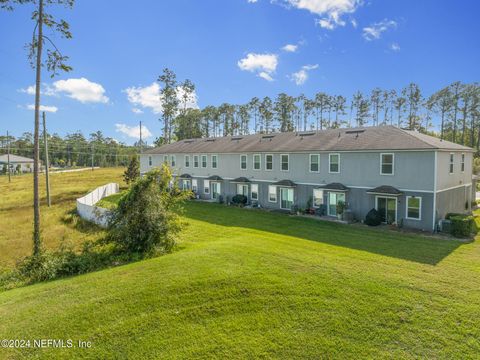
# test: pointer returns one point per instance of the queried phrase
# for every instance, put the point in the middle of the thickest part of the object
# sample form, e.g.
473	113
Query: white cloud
252	1
290	48
45	89
262	64
137	111
301	76
354	23
52	109
82	90
149	97
395	47
375	30
331	11
133	131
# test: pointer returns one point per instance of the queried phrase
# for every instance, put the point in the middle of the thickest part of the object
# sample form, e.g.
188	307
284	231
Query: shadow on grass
409	247
73	220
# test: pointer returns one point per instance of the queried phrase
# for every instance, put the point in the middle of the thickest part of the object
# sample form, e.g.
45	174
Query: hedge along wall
86	205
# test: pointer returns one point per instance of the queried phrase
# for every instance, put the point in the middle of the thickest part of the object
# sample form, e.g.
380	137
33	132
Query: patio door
286	198
333	200
215	190
387	207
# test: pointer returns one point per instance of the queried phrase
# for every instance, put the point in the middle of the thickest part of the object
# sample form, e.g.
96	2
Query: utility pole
47	164
92	153
8	158
141	143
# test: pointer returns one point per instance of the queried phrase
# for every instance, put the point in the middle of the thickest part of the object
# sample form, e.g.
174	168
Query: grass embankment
249	284
110	202
16	212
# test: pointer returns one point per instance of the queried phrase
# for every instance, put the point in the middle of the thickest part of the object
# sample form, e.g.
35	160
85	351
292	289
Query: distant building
26	164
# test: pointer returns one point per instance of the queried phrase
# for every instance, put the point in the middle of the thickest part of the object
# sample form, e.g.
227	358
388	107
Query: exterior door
387	207
286	198
215	190
333	200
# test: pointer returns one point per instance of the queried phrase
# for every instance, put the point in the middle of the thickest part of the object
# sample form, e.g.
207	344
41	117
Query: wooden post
47	164
8	158
92	154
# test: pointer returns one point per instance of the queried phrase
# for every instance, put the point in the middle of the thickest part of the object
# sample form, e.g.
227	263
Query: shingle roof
349	139
185	176
241	179
335	186
287	183
215	178
15	159
385	189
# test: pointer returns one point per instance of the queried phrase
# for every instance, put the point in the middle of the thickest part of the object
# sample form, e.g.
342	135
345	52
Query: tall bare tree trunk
36	149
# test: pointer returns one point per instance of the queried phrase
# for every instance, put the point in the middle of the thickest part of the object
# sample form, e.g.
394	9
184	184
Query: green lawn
249	284
110	202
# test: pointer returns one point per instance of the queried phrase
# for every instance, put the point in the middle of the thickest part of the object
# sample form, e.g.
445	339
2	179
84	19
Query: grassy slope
251	284
16	212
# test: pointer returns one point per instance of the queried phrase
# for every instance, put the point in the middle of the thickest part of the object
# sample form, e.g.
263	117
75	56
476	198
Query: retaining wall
86	205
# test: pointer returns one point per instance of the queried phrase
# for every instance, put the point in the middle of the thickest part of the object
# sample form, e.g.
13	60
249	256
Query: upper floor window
187	160
284	162
214	161
256	162
243	162
314	162
334	163
414	207
204	161
173	160
149	161
195	161
269	162
386	164
462	164
451	163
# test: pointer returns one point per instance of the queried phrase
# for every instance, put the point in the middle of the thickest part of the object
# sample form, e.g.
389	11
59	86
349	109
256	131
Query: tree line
73	149
456	108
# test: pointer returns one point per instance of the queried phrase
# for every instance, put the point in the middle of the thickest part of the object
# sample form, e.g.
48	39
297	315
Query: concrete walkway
73	170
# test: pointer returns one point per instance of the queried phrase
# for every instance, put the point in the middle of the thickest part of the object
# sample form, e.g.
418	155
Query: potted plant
341	206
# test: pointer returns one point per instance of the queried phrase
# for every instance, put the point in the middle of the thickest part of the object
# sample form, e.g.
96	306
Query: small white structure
26	164
86	205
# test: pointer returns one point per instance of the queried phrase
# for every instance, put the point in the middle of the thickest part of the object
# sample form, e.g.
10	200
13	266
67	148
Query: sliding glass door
286	198
333	200
387	207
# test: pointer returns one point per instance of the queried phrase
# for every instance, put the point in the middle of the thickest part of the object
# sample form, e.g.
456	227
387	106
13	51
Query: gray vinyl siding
457	200
445	180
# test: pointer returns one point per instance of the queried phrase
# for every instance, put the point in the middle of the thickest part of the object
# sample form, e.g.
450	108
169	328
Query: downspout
434	217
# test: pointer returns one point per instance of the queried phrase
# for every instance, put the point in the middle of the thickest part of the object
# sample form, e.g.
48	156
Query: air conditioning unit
445	225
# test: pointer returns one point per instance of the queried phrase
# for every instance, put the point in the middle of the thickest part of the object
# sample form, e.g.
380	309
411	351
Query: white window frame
275	193
266	162
150	161
330	163
462	163
242	186
216	161
194	185
310	163
198	161
259	162
288	162
202	162
381	164
451	163
173	160
246	161
419	208
313	198
186	181
186	160
254	186
206	186
388	197
293	197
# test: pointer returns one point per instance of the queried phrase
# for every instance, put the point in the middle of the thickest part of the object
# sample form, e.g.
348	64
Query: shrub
146	218
373	218
133	170
462	225
448	216
239	200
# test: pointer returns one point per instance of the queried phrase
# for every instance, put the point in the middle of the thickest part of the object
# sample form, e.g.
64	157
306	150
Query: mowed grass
16	211
251	284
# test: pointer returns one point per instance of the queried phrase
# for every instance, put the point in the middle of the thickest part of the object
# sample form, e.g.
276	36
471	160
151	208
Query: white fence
86	205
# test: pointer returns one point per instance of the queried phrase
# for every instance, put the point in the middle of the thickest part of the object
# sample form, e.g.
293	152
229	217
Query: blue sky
340	46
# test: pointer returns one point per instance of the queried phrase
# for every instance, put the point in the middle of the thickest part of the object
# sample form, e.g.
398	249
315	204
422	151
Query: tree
283	108
188	124
147	217
413	98
321	105
169	101
133	170
266	115
243	118
362	106
339	108
399	106
440	103
376	102
54	62
254	105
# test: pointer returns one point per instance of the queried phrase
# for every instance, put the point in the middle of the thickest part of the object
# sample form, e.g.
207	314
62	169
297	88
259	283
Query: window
386	164
187	160
254	190
256	162
194	185
165	159
272	193
186	184
269	162
286	198
317	198
334	163
204	161
242	189
214	161
195	161
451	163
314	162
149	161
243	162
206	186
284	162
173	160
215	190
414	207
462	164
